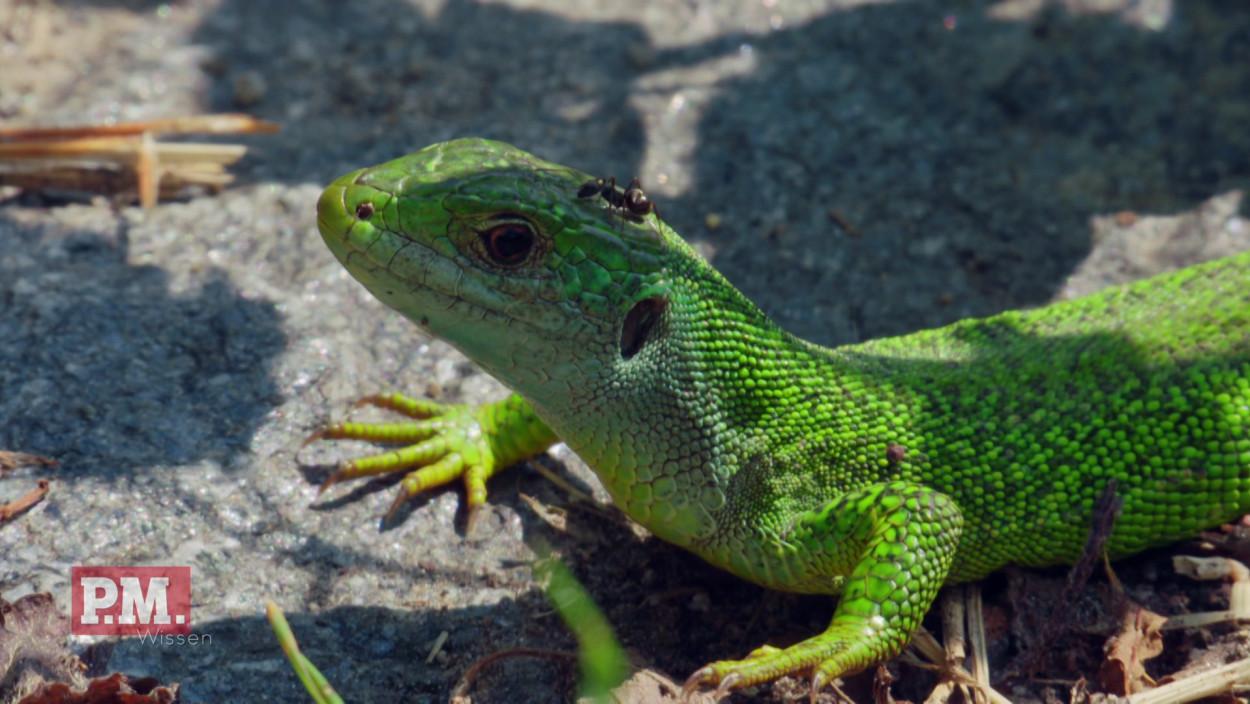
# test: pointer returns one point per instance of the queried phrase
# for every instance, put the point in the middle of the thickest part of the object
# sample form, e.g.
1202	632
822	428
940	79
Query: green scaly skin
877	472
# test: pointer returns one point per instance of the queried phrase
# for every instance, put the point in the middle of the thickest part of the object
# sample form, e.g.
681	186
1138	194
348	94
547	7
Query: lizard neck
705	394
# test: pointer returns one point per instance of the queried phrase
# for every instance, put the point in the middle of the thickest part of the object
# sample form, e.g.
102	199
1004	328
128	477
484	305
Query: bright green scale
877	472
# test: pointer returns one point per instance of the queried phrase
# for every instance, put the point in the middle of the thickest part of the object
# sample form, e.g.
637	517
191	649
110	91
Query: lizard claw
707	675
331	480
819	680
401	497
727	684
319	435
698	679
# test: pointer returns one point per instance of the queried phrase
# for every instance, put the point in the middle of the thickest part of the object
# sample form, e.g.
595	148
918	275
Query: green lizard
876	472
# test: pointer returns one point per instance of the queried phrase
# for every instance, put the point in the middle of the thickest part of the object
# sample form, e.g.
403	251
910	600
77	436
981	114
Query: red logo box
131	601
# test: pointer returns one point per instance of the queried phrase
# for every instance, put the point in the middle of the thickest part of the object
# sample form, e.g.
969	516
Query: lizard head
575	295
515	261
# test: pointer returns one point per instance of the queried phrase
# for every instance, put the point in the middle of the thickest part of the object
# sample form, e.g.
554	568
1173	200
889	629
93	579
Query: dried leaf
1137	640
114	689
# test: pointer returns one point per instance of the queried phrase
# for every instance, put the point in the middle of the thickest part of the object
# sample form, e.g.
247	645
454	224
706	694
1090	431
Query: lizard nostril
364	211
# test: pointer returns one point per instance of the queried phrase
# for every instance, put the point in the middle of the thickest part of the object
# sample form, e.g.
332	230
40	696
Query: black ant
632	199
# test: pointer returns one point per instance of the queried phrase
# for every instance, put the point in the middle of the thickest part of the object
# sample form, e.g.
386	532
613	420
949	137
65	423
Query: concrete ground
858	168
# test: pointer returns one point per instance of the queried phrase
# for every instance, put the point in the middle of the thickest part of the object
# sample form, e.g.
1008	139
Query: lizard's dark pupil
509	244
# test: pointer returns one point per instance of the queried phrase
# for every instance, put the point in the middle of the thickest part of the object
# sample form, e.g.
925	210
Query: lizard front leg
446	442
890	545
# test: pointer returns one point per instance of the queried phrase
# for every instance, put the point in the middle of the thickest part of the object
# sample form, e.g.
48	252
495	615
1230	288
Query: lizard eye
509	244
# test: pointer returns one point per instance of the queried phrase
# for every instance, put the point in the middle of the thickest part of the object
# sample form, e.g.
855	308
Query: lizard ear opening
639	322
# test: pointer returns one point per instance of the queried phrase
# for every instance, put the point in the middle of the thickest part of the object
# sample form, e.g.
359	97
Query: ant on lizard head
631	199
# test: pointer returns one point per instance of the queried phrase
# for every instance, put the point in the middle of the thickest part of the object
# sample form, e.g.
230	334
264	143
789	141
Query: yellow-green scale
1022	419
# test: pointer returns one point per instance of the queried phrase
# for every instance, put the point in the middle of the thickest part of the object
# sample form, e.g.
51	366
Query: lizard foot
821	657
443	442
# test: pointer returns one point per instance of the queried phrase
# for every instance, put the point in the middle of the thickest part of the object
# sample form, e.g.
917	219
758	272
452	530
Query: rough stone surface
858	168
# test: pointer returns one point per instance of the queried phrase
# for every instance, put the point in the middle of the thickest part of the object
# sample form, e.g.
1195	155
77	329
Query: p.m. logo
131	601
